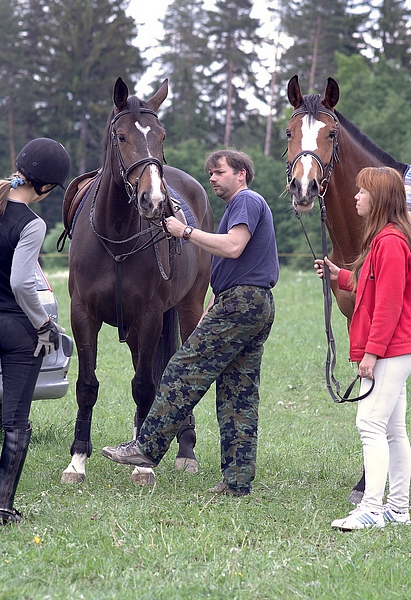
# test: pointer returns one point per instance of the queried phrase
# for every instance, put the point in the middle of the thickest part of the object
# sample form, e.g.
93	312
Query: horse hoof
189	465
73	478
142	476
355	497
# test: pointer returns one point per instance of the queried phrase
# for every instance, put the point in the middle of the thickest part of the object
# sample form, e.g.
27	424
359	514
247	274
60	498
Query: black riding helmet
44	161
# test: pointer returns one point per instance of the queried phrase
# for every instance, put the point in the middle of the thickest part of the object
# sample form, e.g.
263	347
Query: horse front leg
86	392
143	387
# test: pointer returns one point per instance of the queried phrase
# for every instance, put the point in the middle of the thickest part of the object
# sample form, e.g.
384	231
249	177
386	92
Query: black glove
48	338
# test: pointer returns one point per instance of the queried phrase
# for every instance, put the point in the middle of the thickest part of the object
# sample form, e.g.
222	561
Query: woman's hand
366	366
319	266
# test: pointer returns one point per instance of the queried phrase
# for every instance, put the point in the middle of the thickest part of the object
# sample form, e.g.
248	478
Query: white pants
386	447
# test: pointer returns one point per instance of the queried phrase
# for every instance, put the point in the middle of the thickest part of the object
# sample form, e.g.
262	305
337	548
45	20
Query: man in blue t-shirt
227	345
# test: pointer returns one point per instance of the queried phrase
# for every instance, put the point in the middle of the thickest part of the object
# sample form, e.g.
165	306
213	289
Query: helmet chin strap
38	186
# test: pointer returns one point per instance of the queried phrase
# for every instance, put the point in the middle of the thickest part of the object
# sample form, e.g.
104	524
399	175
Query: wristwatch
187	232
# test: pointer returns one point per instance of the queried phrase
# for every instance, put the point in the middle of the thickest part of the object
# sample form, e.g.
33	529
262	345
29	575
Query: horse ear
161	94
294	92
331	94
120	94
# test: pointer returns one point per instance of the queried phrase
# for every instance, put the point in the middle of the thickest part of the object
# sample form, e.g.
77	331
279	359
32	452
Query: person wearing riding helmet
26	331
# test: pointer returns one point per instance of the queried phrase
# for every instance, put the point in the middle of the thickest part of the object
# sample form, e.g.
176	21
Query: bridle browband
331	357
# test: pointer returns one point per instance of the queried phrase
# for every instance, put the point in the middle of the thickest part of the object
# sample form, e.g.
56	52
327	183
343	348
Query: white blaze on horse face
156	194
310	129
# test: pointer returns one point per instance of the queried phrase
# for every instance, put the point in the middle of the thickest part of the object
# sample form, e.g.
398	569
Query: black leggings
20	369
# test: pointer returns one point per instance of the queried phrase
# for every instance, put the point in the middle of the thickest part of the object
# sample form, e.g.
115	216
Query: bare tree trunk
315	54
10	126
227	132
267	143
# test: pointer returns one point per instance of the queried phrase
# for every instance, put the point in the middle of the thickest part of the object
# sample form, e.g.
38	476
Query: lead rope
331	357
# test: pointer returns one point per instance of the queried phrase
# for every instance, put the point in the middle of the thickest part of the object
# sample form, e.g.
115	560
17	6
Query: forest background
59	61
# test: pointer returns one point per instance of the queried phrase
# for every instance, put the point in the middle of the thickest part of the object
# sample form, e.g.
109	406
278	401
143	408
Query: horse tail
168	344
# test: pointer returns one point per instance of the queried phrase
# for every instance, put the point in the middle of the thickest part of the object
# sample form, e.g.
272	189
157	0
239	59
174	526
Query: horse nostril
295	187
313	188
145	200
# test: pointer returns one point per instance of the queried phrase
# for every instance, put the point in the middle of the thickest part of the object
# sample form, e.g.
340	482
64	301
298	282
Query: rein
331	357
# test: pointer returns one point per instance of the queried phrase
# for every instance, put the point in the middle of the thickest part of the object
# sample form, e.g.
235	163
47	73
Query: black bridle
144	162
326	172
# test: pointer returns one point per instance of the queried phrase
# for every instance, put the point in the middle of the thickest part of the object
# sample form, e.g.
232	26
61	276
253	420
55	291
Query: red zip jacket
381	322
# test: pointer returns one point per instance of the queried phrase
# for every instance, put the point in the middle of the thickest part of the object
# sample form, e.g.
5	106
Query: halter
331	357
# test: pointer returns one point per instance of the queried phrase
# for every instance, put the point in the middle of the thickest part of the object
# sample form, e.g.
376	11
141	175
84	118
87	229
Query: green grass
109	539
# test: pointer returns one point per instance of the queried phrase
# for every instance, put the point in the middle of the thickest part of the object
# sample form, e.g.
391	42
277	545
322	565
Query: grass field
108	539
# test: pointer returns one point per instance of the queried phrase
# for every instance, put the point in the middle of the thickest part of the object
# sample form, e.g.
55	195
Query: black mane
311	104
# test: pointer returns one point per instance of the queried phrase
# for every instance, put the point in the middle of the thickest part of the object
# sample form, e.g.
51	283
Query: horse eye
288	134
332	135
121	137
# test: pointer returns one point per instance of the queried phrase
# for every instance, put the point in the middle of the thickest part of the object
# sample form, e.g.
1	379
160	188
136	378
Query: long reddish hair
388	204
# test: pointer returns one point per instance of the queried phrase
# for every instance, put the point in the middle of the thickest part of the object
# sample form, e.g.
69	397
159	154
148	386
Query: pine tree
319	29
87	44
392	29
233	40
12	88
184	62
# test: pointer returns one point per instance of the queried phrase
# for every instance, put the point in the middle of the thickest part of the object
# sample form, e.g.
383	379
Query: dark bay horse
325	153
125	270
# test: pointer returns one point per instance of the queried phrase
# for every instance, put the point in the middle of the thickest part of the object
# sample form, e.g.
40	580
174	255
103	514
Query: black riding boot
13	455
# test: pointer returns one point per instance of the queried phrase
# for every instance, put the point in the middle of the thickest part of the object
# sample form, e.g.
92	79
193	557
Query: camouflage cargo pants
227	348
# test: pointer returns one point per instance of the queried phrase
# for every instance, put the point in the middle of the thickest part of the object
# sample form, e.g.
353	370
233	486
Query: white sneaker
392	516
359	518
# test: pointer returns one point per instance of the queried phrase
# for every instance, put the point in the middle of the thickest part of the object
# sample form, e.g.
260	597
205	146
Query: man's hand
48	337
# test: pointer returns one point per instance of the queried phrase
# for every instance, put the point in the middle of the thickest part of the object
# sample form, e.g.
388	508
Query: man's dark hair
235	159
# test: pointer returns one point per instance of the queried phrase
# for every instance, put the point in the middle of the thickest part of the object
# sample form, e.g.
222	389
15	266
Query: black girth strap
122	330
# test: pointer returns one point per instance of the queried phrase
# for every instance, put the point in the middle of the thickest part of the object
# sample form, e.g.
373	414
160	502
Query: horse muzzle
150	205
303	198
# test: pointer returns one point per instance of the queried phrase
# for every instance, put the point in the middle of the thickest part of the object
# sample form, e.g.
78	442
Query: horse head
312	134
136	138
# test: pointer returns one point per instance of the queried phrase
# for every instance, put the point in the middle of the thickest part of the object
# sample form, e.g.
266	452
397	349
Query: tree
233	40
392	32
319	29
12	98
375	97
184	62
87	43
59	62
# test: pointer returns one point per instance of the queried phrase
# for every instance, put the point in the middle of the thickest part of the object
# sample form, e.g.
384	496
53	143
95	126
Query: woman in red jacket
380	342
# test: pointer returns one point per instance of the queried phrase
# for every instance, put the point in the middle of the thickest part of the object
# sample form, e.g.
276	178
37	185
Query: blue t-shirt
258	264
